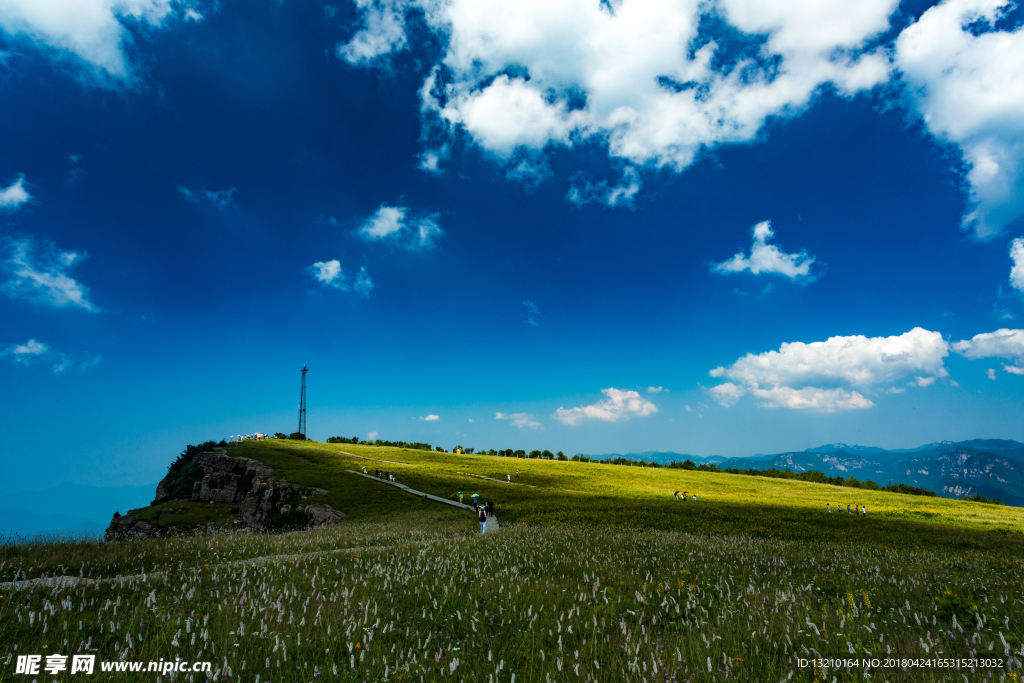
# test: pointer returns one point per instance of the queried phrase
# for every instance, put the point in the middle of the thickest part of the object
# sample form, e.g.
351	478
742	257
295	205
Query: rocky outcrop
263	500
127	526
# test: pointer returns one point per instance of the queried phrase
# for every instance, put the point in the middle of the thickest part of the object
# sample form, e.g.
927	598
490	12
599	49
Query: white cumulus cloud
967	82
617	405
383	32
991	373
768	258
1017	271
430	418
28	349
805	376
640	77
1004	343
39	272
331	274
397	223
15	194
521	420
91	30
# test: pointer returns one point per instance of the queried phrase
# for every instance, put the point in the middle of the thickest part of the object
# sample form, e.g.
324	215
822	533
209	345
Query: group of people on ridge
254	436
683	497
839	508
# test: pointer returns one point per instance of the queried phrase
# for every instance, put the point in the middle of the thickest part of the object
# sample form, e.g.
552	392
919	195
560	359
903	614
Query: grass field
553	492
598	574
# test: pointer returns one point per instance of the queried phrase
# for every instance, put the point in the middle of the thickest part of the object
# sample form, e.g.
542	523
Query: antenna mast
302	403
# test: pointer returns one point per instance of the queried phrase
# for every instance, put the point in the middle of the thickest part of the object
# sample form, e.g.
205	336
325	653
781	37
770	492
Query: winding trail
390	462
492	520
500	481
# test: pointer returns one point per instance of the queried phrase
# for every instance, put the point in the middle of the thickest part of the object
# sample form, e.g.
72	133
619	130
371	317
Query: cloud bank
646	79
659	82
39	272
967	82
616	406
768	258
829	376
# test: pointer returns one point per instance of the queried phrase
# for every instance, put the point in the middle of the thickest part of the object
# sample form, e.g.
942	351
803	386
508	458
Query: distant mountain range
993	468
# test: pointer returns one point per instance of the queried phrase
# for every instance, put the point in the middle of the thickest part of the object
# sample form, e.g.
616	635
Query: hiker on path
828	507
676	495
684	496
863	511
474	497
481	515
490	508
459	494
509	478
848	507
695	498
517	474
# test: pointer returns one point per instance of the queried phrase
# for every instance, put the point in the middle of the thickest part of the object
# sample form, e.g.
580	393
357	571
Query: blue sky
714	228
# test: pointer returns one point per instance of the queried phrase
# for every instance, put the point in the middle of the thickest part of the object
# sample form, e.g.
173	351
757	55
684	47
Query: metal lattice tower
302	403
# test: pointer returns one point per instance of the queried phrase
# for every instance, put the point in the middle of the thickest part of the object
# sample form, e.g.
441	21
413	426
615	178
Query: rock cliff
262	500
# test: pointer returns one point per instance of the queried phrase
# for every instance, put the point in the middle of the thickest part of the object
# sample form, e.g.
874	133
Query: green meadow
554	492
597	574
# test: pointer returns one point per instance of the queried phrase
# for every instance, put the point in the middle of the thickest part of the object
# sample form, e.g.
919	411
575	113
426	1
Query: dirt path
492	520
390	462
500	481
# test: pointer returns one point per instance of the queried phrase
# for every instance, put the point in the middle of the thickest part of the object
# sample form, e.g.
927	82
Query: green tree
561	456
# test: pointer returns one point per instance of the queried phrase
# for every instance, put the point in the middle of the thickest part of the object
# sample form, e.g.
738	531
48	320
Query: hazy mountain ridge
993	468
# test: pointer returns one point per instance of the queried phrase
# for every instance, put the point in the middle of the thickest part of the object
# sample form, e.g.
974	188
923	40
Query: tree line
812	476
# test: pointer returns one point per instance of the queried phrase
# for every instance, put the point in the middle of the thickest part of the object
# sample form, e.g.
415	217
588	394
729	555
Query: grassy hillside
553	492
597	575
